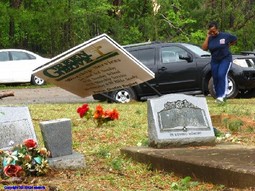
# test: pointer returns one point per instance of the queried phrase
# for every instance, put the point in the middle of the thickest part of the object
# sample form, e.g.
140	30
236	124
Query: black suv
183	68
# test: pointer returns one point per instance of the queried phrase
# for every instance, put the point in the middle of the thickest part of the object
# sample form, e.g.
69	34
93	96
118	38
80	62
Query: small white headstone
177	120
15	126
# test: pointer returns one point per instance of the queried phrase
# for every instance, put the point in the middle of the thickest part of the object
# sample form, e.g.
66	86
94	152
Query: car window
16	55
146	56
4	56
171	54
197	50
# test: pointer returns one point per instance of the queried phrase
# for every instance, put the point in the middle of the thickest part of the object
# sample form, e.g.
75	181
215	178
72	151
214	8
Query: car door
177	70
23	65
148	57
18	68
5	72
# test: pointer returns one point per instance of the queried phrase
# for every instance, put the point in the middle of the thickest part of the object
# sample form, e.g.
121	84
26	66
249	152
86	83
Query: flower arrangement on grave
99	116
24	160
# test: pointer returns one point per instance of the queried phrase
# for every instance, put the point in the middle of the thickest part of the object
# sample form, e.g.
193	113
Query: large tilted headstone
57	137
178	120
15	126
96	66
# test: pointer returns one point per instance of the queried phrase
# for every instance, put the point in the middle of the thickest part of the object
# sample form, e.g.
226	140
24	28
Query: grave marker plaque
15	126
177	120
96	66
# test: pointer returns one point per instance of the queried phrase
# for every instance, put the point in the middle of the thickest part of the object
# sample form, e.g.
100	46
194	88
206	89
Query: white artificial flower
11	143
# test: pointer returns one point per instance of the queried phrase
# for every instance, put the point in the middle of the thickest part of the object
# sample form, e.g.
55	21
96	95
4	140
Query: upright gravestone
57	137
178	120
15	126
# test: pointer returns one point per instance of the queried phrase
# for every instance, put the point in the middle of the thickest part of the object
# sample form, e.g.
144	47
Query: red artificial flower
13	170
114	114
99	109
30	143
99	116
83	110
99	112
96	115
107	114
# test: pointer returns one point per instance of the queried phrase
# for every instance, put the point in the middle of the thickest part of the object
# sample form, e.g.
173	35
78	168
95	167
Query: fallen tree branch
6	94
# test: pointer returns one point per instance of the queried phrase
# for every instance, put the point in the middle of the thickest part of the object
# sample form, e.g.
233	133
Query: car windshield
197	50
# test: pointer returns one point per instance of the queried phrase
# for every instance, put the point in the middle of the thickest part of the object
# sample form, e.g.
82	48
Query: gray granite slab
179	120
15	126
57	136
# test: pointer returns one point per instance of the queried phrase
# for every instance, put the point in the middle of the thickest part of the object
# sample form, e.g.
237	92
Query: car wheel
124	95
232	88
37	81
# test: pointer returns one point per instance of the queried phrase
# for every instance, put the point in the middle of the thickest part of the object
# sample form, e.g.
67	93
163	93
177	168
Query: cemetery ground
107	169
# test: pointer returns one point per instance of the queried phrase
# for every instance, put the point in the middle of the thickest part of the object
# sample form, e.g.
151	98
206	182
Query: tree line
50	27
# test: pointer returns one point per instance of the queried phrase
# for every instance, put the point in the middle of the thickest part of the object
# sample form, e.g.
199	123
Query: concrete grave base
228	164
73	161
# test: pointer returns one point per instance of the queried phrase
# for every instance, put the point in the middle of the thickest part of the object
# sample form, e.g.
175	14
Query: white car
17	65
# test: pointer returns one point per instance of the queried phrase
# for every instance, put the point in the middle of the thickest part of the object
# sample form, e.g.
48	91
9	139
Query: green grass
239	107
23	86
106	168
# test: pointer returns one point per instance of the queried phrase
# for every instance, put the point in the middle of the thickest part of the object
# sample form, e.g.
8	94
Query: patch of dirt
236	129
41	95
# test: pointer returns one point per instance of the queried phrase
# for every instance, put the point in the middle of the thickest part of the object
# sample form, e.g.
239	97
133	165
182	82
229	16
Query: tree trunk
15	4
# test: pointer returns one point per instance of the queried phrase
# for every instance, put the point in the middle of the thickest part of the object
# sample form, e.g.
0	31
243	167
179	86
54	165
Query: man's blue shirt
219	46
